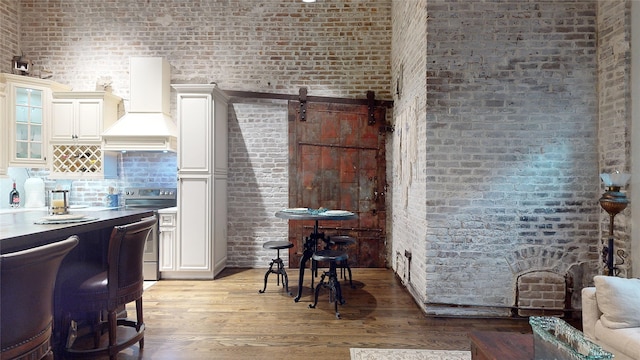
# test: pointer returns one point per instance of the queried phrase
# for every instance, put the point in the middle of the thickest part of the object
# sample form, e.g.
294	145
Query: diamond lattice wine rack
77	159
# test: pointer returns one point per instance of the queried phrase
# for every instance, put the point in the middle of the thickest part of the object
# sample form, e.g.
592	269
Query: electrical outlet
407	254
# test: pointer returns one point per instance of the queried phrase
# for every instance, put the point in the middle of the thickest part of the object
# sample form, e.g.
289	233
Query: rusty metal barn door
337	161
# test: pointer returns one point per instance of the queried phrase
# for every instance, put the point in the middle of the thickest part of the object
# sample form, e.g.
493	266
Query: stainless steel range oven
150	199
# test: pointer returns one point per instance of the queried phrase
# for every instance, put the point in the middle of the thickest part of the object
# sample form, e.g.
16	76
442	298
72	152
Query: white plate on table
336	212
297	210
64	217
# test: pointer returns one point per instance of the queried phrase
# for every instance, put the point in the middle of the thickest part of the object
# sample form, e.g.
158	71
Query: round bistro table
311	242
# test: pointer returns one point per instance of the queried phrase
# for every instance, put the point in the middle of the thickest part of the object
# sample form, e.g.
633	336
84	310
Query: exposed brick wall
335	48
406	145
511	146
258	181
541	290
9	33
614	118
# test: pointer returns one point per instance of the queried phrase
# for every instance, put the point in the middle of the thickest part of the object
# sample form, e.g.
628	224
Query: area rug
408	354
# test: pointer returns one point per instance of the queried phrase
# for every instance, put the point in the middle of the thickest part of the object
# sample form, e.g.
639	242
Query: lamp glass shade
616	179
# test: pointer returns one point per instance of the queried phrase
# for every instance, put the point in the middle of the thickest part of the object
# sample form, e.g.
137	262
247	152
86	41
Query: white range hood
147	126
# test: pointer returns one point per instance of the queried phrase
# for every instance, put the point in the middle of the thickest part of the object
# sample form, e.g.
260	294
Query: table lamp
613	201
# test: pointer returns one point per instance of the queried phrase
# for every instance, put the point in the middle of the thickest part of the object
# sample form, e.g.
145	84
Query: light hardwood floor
228	319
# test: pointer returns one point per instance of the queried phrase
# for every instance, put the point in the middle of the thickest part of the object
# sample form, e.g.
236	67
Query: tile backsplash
135	169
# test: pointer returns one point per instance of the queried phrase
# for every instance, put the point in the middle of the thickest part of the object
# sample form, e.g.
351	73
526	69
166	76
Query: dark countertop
18	231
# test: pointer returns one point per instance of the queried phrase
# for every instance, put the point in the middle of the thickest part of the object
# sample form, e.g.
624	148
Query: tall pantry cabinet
201	241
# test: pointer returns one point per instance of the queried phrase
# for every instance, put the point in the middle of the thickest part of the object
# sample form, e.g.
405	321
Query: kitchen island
23	229
19	231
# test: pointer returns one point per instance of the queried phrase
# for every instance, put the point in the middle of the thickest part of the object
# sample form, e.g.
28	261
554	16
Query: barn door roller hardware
371	104
387	128
303	103
304	99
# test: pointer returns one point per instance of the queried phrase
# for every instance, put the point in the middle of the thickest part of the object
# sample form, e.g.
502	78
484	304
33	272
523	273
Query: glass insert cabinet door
29	134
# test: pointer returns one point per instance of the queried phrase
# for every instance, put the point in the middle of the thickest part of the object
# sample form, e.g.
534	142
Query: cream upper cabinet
195	128
202	143
27	118
82	116
201	233
77	121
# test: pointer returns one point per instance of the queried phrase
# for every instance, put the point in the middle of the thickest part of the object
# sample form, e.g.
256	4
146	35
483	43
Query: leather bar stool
107	292
329	279
280	270
341	242
27	280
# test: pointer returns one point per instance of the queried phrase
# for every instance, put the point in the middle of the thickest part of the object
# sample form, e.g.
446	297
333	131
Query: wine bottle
14	197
